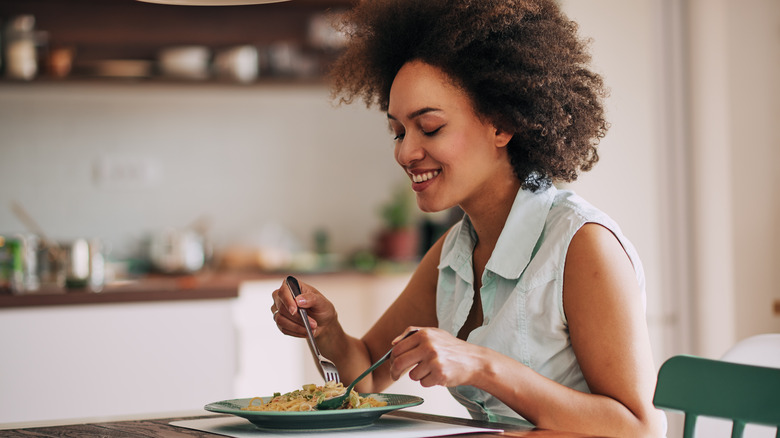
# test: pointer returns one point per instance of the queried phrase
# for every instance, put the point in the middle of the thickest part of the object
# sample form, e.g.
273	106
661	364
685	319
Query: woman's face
451	156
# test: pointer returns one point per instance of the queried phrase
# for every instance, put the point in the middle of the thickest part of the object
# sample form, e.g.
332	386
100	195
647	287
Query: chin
431	207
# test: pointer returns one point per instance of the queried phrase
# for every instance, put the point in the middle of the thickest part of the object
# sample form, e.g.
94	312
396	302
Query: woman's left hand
436	358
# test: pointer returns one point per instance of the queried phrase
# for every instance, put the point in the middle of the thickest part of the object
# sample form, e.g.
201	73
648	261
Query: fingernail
401	337
300	300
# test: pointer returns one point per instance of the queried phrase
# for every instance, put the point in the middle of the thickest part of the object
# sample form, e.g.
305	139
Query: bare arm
415	306
609	337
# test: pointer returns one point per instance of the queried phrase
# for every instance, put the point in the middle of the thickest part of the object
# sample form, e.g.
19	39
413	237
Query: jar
18	263
11	270
21	58
83	264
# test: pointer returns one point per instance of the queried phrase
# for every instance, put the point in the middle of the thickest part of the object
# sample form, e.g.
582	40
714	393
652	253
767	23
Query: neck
488	213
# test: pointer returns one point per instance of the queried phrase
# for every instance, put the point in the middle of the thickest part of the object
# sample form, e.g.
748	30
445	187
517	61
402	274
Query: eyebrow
415	114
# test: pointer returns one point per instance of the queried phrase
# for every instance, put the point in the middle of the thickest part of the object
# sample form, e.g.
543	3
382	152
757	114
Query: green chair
713	388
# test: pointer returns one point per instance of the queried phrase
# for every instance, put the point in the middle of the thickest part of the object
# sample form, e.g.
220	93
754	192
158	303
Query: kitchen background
688	168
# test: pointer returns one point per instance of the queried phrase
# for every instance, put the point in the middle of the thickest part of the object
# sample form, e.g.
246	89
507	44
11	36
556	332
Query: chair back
699	386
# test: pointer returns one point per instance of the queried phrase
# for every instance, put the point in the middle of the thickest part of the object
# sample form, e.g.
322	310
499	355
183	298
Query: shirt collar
515	245
521	232
459	257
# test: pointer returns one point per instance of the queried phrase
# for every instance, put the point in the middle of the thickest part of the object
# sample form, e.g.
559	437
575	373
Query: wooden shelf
129	29
157	81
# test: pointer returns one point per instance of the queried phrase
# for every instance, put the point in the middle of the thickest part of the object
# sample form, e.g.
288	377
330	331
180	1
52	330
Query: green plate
314	420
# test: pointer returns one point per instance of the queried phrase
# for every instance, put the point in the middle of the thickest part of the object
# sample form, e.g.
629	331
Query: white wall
734	63
688	166
624	182
754	94
243	156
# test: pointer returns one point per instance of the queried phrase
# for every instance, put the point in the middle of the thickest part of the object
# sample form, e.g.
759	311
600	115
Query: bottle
2	47
21	58
12	264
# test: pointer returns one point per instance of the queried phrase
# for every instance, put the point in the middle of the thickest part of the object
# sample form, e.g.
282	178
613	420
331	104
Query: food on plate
306	399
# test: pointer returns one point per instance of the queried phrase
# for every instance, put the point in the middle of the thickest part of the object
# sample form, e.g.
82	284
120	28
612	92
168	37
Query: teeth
424	176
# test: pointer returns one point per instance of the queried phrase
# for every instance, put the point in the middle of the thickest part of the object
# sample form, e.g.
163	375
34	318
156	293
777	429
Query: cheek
455	148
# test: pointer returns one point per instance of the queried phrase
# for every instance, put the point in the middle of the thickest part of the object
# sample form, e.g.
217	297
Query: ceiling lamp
211	2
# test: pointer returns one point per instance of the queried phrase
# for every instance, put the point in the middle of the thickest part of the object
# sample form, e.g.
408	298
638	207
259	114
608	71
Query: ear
502	138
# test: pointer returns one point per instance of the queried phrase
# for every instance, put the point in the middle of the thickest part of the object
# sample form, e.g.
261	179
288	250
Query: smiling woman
542	90
531	308
431	118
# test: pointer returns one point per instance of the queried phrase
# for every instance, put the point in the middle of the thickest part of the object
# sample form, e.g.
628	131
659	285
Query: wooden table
162	428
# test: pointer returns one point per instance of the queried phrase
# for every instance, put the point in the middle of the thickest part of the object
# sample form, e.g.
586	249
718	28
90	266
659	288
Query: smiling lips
422	177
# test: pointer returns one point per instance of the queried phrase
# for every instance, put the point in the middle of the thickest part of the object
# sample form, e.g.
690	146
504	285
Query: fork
326	366
339	401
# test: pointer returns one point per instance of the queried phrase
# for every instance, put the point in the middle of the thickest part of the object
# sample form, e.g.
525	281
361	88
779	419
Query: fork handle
295	288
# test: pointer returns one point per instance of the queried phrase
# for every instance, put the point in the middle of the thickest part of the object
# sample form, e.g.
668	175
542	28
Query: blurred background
144	128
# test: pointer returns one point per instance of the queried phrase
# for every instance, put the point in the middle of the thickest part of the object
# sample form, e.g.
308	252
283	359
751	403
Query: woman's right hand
321	312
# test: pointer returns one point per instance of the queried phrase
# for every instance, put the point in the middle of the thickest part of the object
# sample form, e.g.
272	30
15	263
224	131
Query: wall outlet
126	172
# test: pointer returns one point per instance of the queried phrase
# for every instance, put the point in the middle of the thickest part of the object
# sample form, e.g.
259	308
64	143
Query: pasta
306	399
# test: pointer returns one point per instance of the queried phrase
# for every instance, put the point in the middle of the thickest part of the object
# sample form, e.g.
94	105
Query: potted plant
398	240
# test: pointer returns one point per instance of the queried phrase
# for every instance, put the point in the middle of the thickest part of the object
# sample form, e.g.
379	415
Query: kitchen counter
203	286
151	288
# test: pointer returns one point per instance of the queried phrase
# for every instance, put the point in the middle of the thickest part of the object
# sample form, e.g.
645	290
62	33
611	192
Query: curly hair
520	62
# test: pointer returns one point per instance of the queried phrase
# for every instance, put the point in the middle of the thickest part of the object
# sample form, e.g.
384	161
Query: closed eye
432	133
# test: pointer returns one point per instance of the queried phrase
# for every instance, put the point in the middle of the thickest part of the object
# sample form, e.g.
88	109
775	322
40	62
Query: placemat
395	427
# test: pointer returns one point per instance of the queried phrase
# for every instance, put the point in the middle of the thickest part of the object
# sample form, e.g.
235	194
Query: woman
532	306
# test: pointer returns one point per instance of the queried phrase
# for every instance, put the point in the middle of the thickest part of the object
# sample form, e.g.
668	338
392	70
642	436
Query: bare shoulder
604	309
594	243
597	273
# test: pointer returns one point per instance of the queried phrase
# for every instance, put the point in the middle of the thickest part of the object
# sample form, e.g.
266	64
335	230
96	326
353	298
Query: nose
408	151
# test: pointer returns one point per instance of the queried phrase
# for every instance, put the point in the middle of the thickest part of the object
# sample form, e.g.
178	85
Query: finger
287	300
298	318
419	372
401	362
293	322
277	306
431	380
293	332
407	332
289	325
430	372
396	371
416	338
280	303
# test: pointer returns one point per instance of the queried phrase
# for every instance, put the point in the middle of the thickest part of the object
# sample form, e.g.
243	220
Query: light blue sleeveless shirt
522	291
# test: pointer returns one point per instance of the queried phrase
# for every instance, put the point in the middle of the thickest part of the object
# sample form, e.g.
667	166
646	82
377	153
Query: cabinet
100	30
105	360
